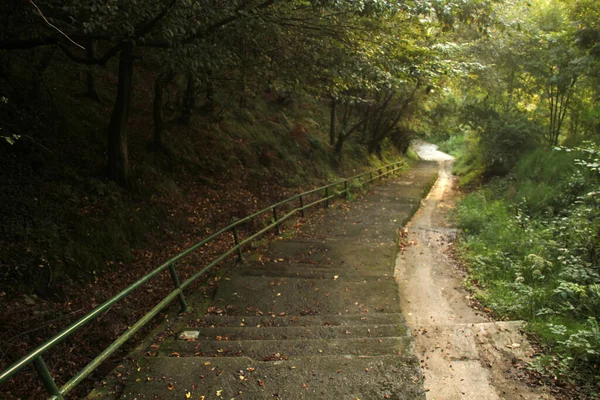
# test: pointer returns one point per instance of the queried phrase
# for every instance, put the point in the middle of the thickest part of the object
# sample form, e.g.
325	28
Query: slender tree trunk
189	100
38	73
244	72
91	89
511	82
339	145
118	163
332	123
367	127
244	90
574	118
157	110
210	94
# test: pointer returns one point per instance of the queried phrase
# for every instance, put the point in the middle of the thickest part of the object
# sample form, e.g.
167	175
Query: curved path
463	355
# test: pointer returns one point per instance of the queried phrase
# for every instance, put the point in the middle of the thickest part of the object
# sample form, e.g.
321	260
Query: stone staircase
318	317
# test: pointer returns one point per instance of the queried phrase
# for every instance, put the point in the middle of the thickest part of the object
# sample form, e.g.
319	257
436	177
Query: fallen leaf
170	386
188	395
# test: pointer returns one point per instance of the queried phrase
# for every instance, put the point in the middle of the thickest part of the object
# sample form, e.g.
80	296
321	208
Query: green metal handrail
35	356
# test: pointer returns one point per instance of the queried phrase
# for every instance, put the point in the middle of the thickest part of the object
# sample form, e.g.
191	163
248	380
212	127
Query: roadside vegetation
525	130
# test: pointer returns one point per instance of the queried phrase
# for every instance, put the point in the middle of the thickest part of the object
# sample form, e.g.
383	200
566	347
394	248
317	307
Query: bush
495	142
532	243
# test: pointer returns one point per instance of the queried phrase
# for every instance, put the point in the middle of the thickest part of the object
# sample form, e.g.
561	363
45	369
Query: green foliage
453	145
532	242
502	137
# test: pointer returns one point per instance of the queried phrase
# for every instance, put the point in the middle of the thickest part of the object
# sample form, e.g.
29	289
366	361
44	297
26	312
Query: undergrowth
61	219
532	244
451	144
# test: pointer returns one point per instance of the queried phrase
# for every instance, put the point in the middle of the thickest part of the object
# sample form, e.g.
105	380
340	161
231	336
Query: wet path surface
462	354
316	316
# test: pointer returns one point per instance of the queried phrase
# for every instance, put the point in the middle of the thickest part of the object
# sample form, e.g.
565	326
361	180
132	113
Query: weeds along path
463	355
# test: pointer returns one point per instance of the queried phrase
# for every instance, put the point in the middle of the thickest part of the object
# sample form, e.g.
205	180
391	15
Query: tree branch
141	31
28	43
232	18
54	26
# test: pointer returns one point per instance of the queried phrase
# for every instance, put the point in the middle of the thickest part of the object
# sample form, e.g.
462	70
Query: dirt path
463	354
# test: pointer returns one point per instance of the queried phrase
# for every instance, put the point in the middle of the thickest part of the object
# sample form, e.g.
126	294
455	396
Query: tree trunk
189	101
209	107
157	110
244	72
243	90
91	89
118	163
332	123
339	145
38	73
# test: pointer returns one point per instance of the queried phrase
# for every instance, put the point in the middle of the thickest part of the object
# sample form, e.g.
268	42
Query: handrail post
236	239
346	190
175	278
46	377
327	197
277	231
301	206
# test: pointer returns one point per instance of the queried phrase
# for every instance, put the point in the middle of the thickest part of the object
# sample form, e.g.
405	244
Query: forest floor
464	354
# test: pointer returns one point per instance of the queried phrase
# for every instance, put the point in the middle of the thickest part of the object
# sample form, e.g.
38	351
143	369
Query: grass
454	144
531	244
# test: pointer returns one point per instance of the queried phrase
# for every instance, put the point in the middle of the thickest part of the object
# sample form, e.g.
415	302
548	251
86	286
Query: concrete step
322	377
260	332
267	349
252	295
311	271
348	253
345	320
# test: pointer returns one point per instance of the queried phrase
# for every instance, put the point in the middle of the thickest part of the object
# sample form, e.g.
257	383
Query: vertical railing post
236	239
177	284
277	231
301	206
46	377
346	190
327	197
370	176
380	176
